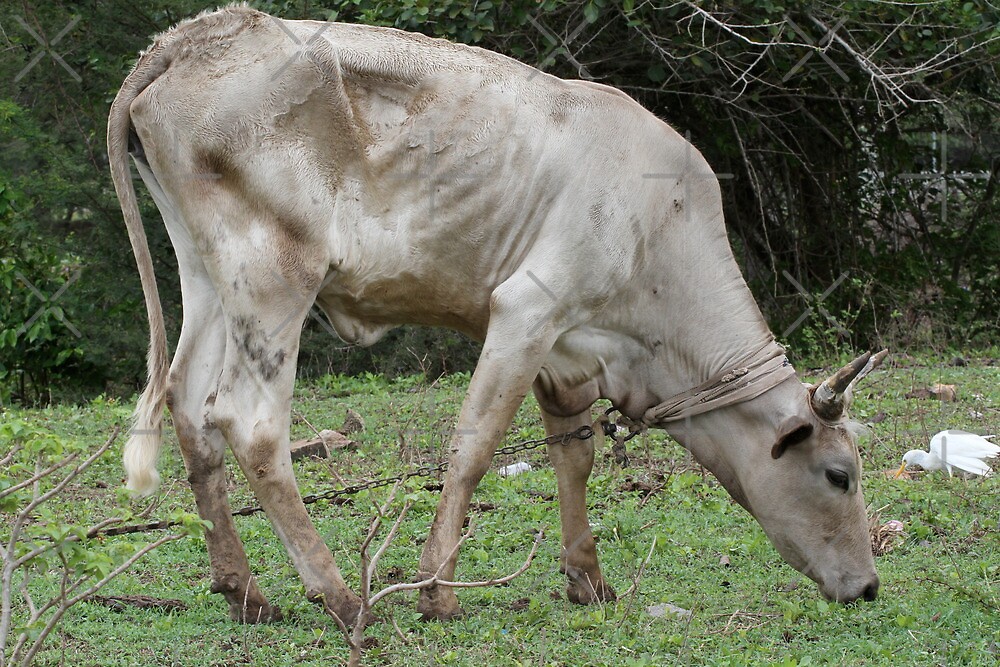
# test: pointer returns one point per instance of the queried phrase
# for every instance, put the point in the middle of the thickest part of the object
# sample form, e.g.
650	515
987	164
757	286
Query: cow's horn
828	399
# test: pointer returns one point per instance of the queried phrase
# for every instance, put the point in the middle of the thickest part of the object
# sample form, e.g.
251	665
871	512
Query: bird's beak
900	471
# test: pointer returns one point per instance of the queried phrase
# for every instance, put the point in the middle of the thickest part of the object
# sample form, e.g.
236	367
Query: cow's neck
706	333
722	327
714	325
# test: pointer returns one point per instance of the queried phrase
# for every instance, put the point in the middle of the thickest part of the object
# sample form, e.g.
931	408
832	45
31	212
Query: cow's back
424	173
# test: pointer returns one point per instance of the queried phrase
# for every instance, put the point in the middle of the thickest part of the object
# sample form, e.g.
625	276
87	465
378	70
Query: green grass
939	603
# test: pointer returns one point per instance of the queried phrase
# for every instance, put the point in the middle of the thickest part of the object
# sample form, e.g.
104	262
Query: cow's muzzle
864	590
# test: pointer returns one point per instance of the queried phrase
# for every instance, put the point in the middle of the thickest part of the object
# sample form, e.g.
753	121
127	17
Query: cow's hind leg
191	392
193	382
573	462
264	316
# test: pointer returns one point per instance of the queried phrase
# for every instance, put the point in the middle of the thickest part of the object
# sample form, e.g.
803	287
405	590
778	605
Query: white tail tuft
143	447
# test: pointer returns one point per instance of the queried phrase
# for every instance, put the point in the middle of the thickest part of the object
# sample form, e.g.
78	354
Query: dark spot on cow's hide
216	166
597	215
253	343
261	454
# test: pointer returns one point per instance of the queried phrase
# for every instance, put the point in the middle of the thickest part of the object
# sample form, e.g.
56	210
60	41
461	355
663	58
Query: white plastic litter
514	469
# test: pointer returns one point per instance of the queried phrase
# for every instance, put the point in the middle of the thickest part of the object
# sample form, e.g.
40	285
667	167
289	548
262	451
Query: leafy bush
38	342
834	167
42	539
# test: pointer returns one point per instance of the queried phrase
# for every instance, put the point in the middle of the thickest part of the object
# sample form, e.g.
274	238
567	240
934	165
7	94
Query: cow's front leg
507	366
573	462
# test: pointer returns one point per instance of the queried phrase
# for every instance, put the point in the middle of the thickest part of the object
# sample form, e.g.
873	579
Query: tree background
857	145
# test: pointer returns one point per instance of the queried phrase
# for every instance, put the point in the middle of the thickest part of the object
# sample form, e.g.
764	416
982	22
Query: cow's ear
793	431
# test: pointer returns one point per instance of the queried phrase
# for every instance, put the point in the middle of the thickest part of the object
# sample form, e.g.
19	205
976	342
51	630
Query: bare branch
72	474
437	581
388	538
731	30
10	456
634	588
40	475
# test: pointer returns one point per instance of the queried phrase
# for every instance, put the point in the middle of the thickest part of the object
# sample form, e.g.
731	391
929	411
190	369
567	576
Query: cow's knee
253	434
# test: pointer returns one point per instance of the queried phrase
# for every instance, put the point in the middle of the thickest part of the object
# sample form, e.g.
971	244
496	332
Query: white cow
392	178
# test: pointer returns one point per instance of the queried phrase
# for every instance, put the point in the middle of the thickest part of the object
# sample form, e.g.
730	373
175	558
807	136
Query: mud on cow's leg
573	463
230	569
191	393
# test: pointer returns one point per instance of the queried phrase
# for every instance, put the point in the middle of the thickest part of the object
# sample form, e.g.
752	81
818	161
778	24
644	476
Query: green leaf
656	73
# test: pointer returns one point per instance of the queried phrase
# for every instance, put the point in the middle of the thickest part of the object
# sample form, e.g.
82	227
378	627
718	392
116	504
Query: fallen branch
120	602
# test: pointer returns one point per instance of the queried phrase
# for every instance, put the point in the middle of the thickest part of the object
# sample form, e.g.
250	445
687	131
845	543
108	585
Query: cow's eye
838	478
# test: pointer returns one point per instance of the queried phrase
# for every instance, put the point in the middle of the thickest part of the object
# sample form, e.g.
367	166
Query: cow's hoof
348	611
581	591
254	612
345	605
438	604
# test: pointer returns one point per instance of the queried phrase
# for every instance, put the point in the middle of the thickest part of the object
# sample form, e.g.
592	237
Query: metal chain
582	433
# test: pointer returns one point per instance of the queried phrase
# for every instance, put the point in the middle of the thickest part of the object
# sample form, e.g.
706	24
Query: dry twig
355	635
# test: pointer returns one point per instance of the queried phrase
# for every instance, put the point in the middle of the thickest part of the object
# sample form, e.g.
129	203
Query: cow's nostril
870	592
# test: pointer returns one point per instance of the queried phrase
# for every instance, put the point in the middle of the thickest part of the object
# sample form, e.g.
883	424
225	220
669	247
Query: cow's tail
143	446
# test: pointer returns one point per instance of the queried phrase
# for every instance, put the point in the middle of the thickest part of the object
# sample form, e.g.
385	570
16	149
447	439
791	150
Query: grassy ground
939	604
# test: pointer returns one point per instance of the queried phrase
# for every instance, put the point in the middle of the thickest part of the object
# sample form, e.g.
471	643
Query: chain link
582	433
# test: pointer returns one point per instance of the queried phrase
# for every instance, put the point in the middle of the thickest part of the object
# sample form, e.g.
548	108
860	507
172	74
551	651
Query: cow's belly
363	313
396	259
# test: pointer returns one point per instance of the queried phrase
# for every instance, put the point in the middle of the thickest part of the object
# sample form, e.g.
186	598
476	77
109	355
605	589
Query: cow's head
789	457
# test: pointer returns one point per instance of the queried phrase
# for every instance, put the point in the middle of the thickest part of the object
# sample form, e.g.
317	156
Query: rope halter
746	379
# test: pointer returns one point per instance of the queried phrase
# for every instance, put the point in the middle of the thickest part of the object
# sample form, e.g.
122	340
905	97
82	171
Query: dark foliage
857	141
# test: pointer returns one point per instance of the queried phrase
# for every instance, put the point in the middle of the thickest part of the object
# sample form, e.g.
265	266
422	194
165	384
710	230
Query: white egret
954	449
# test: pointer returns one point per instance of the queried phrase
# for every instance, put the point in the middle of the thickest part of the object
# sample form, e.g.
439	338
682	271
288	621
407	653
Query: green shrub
42	537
